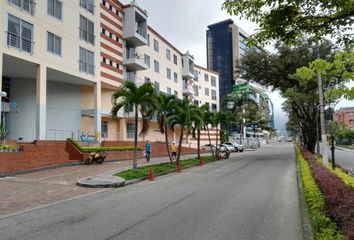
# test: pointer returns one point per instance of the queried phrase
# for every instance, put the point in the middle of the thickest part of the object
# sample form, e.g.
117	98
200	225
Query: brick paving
25	191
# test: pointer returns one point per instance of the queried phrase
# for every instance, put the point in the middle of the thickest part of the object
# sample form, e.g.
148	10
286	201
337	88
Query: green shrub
8	147
324	228
101	149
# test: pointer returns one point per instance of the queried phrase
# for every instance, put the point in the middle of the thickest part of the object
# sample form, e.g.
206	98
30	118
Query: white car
231	148
238	147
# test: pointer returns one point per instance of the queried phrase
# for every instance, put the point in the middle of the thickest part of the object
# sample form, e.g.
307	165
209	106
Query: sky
184	23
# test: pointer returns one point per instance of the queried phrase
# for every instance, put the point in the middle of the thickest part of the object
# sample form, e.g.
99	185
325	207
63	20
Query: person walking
147	150
173	151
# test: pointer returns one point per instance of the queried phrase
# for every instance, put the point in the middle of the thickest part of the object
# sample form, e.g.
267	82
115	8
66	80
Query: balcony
25	5
188	66
134	61
88	37
21	43
135	26
188	89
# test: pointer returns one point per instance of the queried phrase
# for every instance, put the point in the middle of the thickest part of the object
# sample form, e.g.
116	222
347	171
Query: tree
183	115
208	119
142	100
165	103
288	20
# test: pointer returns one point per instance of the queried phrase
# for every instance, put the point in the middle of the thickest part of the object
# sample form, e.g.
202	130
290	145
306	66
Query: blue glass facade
219	54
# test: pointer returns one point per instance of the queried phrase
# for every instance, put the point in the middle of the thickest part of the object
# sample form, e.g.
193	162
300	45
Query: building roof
164	40
229	21
205	69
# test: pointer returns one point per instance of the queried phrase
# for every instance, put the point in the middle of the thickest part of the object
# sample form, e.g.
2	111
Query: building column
1	89
41	102
97	110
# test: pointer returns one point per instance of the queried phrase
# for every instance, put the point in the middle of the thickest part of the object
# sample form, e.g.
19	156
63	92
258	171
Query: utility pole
322	117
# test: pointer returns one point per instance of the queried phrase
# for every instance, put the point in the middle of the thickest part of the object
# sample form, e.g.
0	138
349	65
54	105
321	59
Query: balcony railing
141	32
88	5
88	37
132	53
25	5
22	43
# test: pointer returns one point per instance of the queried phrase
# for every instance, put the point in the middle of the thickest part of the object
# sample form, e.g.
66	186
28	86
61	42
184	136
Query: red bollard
151	175
201	162
179	168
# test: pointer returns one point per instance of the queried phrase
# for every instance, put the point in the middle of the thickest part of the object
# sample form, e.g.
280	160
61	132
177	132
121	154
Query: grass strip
323	227
142	172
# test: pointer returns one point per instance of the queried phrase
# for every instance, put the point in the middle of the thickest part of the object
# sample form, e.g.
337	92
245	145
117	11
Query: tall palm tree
198	124
142	99
208	119
184	114
164	105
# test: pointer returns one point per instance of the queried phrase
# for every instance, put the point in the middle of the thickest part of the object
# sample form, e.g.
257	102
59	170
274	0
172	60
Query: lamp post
2	94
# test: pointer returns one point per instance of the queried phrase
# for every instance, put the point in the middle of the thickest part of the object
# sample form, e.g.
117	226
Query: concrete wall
63	109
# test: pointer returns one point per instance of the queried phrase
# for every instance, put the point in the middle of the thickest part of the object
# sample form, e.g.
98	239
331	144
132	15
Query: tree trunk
211	146
216	142
135	163
166	142
198	143
180	146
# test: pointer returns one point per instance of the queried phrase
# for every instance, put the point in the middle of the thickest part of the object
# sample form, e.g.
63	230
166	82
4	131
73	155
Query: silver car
238	147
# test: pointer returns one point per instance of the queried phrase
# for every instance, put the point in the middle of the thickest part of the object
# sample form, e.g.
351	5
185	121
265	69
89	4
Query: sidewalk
25	191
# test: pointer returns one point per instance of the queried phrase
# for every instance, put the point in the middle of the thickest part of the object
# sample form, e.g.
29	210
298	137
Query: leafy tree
165	103
288	20
183	115
142	99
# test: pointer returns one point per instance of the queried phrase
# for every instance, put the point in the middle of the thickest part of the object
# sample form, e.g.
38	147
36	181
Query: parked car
207	147
221	148
231	148
238	147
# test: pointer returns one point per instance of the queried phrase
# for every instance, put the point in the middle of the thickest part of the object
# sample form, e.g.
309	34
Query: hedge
324	228
8	147
101	149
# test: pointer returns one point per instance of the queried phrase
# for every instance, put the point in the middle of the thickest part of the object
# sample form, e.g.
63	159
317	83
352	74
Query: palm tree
208	119
142	99
197	126
163	108
184	114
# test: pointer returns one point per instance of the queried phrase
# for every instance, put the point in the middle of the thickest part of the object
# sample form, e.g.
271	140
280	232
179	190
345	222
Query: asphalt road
343	158
251	196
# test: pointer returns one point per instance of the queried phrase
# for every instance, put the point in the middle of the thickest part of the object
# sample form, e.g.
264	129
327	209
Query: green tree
183	115
288	20
164	106
142	100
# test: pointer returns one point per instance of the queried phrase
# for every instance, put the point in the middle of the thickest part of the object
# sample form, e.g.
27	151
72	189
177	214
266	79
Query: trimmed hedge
324	228
8	147
143	172
101	149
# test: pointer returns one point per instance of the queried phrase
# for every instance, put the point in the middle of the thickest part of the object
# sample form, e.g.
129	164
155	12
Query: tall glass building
226	44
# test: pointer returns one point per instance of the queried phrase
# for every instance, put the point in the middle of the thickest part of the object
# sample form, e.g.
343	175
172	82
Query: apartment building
345	116
61	61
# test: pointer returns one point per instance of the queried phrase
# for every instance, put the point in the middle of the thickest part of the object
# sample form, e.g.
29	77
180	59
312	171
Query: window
206	91
104	129
147	60
26	5
19	34
146	79
89	5
196	103
213	94
157	86
148	39
213	107
196	90
176	93
175	59
156	66
87	61
55	8
168	54
130	130
175	77
87	30
54	44
169	91
156	45
213	81
168	73
206	77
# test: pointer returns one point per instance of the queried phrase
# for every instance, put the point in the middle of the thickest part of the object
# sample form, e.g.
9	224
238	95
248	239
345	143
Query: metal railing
22	43
88	5
87	68
141	31
25	5
85	35
132	53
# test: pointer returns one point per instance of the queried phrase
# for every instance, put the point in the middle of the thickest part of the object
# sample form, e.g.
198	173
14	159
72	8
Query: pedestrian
174	151
147	150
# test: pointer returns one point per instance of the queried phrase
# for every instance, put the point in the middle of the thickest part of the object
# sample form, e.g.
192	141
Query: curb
307	232
344	149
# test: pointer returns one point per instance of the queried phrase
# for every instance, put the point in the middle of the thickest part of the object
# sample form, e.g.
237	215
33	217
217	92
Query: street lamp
2	94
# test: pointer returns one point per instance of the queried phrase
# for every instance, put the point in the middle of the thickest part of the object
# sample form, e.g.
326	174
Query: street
251	196
343	158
